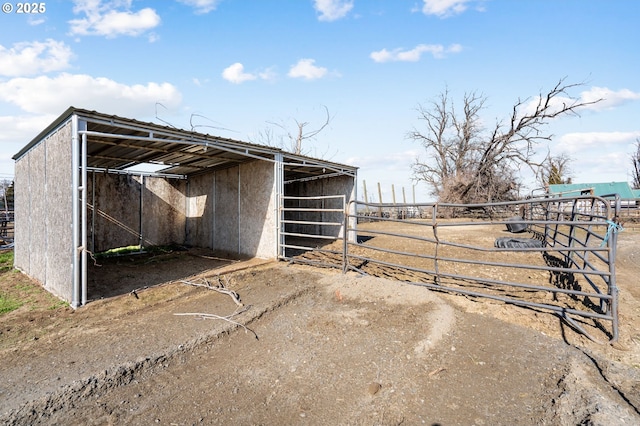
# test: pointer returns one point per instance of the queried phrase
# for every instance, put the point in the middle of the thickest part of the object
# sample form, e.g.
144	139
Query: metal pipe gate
561	260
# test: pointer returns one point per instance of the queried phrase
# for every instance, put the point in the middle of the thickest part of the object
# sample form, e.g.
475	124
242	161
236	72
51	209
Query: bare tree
451	141
467	164
555	169
293	140
635	158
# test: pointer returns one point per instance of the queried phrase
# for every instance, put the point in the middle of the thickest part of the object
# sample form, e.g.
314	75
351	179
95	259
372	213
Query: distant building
599	189
628	197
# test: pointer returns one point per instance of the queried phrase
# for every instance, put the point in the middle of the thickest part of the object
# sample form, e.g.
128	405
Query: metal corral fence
630	211
309	223
6	228
546	254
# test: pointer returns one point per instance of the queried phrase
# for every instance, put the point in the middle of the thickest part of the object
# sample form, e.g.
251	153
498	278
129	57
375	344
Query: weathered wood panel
257	210
163	211
22	230
226	211
117	211
200	210
38	212
60	195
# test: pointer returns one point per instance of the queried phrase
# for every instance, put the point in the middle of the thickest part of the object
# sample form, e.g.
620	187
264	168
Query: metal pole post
75	154
83	220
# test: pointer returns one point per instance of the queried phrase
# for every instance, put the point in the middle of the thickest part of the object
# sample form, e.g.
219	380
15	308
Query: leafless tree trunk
555	170
467	165
298	137
635	158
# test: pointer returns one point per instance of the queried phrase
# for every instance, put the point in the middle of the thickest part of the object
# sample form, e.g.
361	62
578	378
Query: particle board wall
257	209
38	212
200	210
238	219
44	194
21	252
163	210
60	196
226	213
117	211
128	207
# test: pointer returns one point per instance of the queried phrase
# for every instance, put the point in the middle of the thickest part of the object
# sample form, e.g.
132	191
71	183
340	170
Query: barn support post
93	209
79	211
75	166
143	184
239	217
352	210
279	202
83	222
213	209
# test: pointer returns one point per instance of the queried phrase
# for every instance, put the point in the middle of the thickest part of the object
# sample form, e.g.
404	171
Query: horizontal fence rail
310	223
551	254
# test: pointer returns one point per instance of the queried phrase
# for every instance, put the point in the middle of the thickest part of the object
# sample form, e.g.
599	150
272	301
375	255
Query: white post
75	267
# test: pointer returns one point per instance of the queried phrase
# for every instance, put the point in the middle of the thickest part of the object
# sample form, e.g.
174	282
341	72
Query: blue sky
235	67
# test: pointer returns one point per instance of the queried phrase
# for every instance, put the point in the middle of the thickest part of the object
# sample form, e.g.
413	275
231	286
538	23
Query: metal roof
116	143
599	189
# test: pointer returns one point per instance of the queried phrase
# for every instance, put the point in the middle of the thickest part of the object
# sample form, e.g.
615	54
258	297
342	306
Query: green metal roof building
599	189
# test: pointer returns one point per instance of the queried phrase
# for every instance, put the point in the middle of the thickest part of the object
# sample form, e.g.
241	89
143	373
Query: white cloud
267	74
306	69
398	55
444	8
14	128
332	10
112	18
202	6
610	98
607	99
29	58
17	131
235	74
599	156
33	21
43	95
578	142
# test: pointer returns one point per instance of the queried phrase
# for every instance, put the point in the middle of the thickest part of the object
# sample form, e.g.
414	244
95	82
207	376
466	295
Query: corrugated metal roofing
117	143
599	189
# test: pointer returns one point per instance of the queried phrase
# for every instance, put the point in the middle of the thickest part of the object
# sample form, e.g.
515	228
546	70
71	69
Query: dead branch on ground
220	287
224	318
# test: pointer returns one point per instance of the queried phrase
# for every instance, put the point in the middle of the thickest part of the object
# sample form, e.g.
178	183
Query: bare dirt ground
309	346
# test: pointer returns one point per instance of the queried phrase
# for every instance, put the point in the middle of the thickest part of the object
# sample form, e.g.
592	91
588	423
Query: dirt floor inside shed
308	346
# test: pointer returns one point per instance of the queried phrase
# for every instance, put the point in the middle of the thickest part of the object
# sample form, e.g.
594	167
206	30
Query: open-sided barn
75	194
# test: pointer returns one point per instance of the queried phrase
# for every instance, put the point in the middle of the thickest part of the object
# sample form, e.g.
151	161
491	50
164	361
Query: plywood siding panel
22	219
226	211
200	210
117	211
163	211
59	198
257	215
38	212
